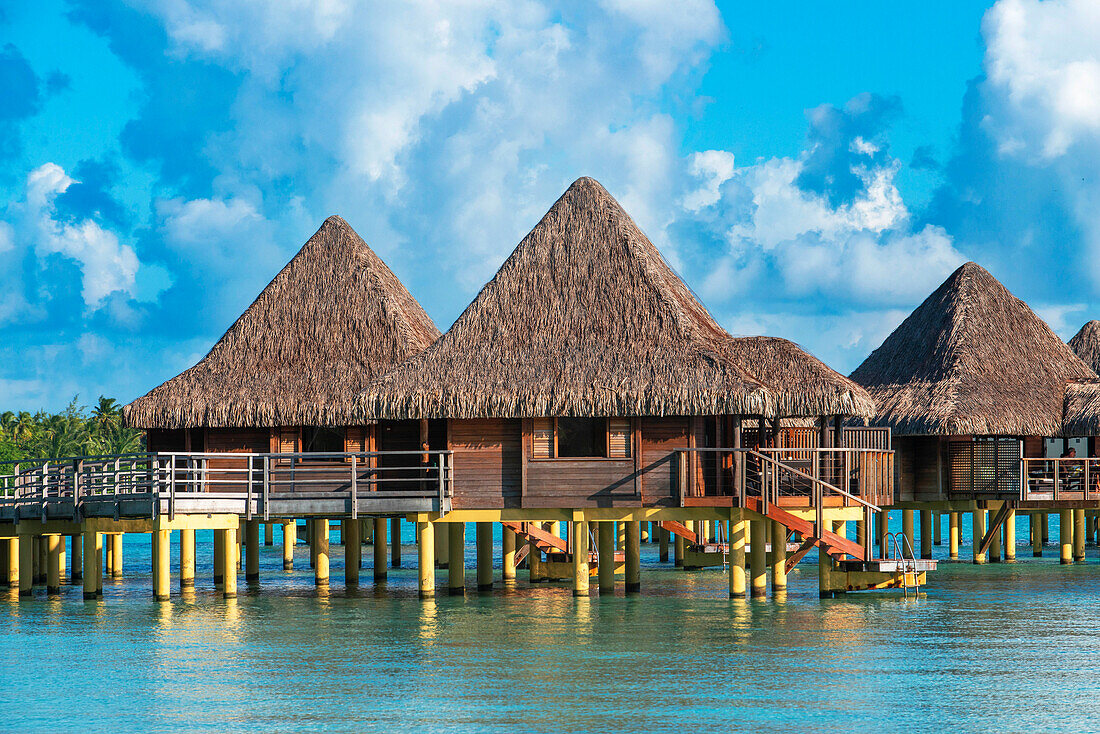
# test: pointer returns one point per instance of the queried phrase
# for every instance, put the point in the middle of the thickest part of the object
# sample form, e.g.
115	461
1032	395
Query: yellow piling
882	529
620	534
456	569
605	568
290	539
736	558
252	550
779	557
26	564
925	533
162	581
978	532
953	535
395	542
508	550
77	561
425	543
219	560
353	552
53	564
662	536
483	533
379	549
13	562
758	554
40	559
633	557
580	558
93	543
442	545
269	534
228	542
1036	534
995	546
678	551
116	555
311	539
368	531
1010	536
239	542
907	527
1078	535
937	523
320	565
1065	533
187	559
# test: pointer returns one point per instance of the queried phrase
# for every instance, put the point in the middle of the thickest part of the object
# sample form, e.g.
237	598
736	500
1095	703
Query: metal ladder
898	543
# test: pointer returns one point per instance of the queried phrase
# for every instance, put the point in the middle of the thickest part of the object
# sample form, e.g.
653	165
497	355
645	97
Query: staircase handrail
814	480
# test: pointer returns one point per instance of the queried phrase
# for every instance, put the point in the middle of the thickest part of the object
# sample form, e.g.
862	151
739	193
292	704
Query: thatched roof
584	318
331	321
1082	410
1086	344
971	359
804	385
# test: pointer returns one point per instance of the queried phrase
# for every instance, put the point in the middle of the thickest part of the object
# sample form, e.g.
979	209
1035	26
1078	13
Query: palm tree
106	411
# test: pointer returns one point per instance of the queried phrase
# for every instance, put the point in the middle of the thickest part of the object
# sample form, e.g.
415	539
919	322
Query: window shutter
618	438
543	437
288	442
353	440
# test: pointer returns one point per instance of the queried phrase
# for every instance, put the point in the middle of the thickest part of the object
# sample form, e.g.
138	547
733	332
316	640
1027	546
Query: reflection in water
288	656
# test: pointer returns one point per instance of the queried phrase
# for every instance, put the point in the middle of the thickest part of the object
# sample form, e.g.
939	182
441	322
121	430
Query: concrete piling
425	544
483	533
353	553
187	559
321	543
738	529
456	568
580	558
508	553
633	557
379	549
605	570
758	571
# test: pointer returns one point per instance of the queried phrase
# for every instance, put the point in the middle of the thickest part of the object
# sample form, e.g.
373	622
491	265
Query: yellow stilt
53	564
26	564
311	536
379	549
1065	532
239	544
758	554
456	569
425	543
116	555
219	560
228	542
907	528
580	559
76	562
269	534
937	522
252	550
187	559
1078	535
40	559
737	558
162	579
678	551
978	532
605	568
882	528
368	531
1010	536
353	553
620	534
395	542
93	548
633	557
483	532
925	533
442	545
320	565
953	536
13	562
1045	522
662	537
995	546
779	557
290	539
508	550
1035	521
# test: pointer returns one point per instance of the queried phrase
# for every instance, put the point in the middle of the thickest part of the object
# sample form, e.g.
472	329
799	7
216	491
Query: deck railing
167	477
1059	479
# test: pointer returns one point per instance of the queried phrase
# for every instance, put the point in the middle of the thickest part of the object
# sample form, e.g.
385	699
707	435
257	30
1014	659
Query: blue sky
813	170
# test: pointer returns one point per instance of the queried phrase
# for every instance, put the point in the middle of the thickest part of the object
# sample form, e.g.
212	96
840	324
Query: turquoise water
1011	647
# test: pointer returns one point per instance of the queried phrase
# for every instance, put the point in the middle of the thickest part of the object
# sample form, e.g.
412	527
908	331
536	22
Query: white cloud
7	237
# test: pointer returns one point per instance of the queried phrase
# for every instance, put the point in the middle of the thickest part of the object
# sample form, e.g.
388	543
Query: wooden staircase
530	533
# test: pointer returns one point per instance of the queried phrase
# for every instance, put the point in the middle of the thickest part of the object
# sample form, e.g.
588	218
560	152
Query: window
564	438
323	439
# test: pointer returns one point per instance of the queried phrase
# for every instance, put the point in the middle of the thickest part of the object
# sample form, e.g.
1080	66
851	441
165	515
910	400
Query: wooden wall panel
660	437
234	441
580	483
917	469
486	463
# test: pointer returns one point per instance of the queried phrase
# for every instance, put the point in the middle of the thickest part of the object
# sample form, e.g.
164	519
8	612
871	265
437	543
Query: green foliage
72	432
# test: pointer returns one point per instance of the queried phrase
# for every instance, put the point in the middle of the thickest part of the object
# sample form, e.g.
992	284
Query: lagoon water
1006	647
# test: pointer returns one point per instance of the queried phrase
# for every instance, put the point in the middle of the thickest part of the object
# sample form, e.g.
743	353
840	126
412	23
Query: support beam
508	553
978	532
1035	521
116	555
13	562
76	563
395	542
925	533
605	570
93	552
227	539
353	552
662	537
290	539
1046	527
425	545
758	554
633	556
187	559
219	560
252	550
882	529
953	536
1065	533
1010	535
779	557
678	551
456	569
907	528
995	542
738	529
937	523
580	558
379	549
442	545
483	532
1078	535
320	563
162	574
269	534
26	564
53	564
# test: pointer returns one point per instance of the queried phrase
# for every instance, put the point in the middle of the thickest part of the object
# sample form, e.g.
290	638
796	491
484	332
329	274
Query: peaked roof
971	359
585	318
331	321
1086	344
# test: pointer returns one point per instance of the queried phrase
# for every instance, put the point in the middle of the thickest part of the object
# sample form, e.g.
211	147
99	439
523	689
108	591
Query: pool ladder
898	543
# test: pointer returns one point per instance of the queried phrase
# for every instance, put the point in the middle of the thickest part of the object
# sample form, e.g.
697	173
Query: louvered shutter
618	438
543	438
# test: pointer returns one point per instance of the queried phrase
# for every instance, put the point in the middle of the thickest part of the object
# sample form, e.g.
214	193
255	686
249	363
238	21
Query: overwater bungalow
971	382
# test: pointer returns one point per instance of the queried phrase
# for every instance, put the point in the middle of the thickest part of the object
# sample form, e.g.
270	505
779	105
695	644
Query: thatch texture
1082	410
585	318
1086	344
971	359
803	384
331	321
